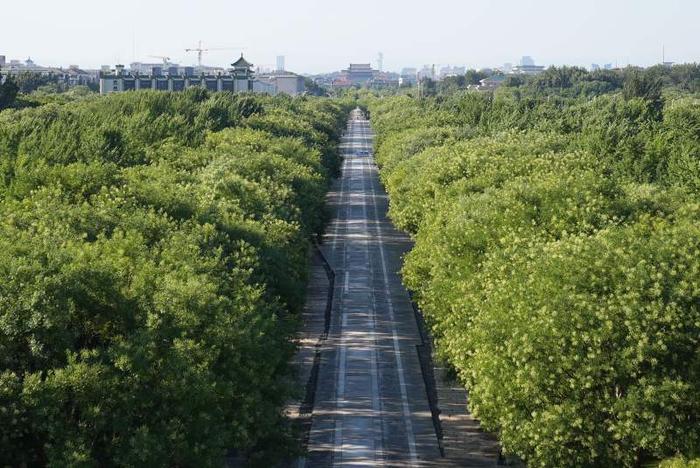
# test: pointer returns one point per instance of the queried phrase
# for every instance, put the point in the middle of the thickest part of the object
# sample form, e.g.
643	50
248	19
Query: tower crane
200	51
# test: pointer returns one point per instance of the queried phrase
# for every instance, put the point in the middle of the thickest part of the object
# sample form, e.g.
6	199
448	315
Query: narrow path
371	406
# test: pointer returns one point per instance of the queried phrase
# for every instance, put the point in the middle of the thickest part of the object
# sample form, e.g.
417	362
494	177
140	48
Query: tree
559	78
8	92
314	88
427	87
29	82
644	85
555	259
153	257
473	77
514	81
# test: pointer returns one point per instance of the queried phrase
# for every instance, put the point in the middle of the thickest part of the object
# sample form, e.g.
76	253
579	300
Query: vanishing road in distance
371	406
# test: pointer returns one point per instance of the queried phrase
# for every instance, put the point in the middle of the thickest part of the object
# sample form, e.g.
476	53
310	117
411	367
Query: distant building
595	67
359	73
427	71
73	76
149	68
239	78
384	80
144	68
285	82
325	79
452	71
408	77
491	82
289	83
527	67
280	63
17	66
362	75
264	87
527	61
76	76
342	82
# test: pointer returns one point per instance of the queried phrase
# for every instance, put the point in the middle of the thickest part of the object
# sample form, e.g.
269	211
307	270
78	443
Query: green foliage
153	254
473	77
555	259
314	88
8	92
644	86
634	82
29	81
680	462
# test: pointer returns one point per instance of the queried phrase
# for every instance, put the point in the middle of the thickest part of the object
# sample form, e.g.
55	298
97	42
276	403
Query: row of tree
556	259
574	81
153	256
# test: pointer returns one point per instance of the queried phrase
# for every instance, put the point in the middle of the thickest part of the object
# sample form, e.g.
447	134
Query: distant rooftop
360	66
242	63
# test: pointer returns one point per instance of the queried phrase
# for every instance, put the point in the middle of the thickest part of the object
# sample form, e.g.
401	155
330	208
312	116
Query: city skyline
315	39
144	66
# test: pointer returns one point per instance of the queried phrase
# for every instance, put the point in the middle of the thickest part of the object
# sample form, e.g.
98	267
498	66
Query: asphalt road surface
371	406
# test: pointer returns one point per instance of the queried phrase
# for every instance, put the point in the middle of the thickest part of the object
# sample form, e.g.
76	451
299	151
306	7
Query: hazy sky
318	35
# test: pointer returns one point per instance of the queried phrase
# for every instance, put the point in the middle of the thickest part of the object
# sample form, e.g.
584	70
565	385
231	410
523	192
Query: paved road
371	404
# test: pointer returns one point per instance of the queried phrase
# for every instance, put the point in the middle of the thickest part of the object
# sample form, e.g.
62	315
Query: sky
321	35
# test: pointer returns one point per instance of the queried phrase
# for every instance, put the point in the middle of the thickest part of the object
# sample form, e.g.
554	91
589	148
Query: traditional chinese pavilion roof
241	63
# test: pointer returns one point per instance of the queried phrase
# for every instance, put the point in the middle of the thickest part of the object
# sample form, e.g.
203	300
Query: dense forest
153	251
557	237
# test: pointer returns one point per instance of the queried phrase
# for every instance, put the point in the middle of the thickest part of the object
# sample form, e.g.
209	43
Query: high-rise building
280	63
3	60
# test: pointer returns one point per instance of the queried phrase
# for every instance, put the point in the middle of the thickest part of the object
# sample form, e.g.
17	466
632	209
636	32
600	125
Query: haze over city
318	36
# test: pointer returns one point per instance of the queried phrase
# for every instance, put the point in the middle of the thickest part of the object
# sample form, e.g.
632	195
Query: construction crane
166	60
200	51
